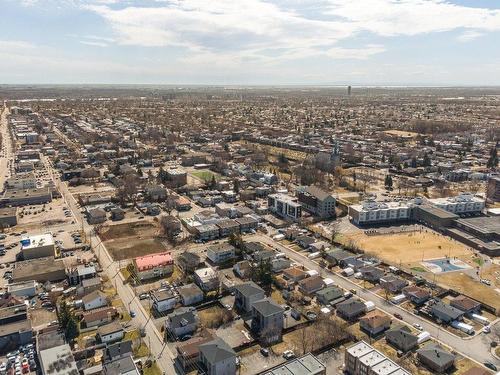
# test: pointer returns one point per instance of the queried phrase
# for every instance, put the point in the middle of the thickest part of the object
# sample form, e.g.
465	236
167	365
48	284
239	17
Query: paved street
476	348
154	341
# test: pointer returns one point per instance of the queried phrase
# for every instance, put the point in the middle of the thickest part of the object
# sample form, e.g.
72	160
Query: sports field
204	175
409	248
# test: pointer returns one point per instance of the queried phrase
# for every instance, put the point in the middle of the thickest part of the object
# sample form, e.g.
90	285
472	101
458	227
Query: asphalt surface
476	348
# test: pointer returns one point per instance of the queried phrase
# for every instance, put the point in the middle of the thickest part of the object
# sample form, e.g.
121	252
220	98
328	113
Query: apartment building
371	212
464	203
362	359
317	201
284	206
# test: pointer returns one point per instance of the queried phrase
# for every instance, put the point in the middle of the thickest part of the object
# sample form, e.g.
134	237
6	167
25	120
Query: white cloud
93	43
229	31
469	35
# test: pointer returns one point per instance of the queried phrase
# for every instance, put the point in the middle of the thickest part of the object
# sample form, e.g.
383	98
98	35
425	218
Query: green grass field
204	175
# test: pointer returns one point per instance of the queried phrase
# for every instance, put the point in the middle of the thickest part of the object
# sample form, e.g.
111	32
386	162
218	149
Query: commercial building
57	360
41	270
284	206
8	217
15	197
38	246
154	265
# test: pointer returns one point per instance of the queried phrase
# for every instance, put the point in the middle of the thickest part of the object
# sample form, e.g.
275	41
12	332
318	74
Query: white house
94	300
110	332
163	300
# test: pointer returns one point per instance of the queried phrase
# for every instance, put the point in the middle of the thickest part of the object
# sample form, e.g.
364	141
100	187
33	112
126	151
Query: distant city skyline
252	42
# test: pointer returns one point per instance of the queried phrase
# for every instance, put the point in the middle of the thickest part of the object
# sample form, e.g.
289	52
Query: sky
250	42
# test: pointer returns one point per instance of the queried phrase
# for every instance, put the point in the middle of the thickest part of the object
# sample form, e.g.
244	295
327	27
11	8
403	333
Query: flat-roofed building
8	217
362	359
18	197
38	246
307	364
41	270
371	212
284	206
464	203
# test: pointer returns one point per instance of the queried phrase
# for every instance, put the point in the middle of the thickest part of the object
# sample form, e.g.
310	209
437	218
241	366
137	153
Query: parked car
264	352
491	366
397	315
418	326
288	354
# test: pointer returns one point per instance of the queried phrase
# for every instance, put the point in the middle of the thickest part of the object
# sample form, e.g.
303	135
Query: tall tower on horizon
348	90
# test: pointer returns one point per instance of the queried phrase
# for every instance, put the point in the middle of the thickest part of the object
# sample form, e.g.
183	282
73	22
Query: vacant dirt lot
129	240
406	249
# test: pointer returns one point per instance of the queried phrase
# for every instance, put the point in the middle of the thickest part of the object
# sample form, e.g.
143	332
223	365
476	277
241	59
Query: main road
476	348
160	352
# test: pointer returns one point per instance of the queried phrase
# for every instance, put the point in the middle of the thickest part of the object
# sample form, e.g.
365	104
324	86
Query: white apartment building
371	212
464	203
285	206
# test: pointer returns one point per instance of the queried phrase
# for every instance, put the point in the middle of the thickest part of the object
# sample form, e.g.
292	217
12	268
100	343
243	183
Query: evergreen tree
236	186
493	160
427	160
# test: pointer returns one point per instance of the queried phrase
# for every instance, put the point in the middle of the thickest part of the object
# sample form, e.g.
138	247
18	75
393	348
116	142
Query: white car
288	354
418	326
486	329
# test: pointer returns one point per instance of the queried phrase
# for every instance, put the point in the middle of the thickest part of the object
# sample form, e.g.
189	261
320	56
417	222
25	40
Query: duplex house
217	358
190	294
375	323
221	253
110	332
401	338
182	321
446	313
246	294
311	285
163	300
351	309
94	300
267	321
435	358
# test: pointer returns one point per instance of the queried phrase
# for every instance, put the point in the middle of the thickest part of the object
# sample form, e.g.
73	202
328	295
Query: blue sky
254	42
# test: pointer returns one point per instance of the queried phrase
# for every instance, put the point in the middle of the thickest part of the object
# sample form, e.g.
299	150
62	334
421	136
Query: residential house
190	294
375	323
336	256
416	294
311	285
153	266
81	272
188	262
446	313
294	274
247	224
362	359
371	274
401	338
280	264
351	309
435	358
98	317
246	294
188	352
120	366
393	284
305	241
207	232
228	227
207	279
242	269
96	216
89	285
183	321
94	300
110	332
466	304
217	358
221	253
307	364
163	300
331	295
267	320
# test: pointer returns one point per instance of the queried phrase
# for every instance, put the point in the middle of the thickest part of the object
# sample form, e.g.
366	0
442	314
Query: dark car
491	366
264	352
398	316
